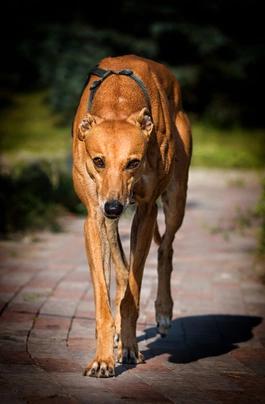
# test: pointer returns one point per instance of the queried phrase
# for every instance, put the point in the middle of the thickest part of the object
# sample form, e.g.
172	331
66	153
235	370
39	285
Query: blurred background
216	49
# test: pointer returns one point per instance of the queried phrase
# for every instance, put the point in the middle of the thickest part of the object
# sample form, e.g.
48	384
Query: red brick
252	384
58	365
45	284
10	316
52	323
9	288
50	400
15	358
80	344
253	358
230	397
67	294
138	391
151	365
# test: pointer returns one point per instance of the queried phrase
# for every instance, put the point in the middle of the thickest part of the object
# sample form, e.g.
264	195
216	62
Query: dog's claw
130	357
99	370
163	325
111	372
92	372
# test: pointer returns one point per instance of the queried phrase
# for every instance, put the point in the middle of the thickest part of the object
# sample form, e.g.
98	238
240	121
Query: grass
29	128
236	148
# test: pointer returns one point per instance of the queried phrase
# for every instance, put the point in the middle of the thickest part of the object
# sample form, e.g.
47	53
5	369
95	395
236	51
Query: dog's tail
157	236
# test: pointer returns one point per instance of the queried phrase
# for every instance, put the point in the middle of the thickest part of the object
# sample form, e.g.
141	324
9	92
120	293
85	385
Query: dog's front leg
121	269
98	255
141	237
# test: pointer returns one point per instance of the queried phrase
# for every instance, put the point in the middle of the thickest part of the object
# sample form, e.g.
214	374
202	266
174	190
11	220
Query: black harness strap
103	74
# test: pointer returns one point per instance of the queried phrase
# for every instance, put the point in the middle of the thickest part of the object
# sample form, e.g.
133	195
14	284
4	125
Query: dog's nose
113	209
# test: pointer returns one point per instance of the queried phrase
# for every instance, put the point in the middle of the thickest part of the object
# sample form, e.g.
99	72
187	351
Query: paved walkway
215	352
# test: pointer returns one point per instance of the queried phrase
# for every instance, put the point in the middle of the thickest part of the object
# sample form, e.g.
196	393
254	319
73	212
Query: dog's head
115	157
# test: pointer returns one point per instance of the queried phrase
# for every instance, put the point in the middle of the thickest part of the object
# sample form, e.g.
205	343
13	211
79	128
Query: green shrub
35	196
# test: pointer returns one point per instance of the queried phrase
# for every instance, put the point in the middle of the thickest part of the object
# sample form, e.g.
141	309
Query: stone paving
215	352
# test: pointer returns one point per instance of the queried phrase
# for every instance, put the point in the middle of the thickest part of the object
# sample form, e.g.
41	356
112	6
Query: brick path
215	350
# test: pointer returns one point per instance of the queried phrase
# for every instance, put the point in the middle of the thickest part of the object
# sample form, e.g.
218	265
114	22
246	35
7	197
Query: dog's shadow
197	337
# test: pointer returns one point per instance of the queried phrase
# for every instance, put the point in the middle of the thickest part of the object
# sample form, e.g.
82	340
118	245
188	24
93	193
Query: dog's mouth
112	217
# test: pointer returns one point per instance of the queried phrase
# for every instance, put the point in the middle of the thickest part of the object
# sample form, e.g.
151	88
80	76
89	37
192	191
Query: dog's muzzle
113	209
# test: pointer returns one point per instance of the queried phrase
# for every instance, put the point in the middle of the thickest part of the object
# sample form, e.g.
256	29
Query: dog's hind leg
121	270
174	201
173	206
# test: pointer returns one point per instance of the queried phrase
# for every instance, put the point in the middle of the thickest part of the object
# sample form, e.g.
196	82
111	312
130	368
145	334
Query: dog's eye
133	164
99	162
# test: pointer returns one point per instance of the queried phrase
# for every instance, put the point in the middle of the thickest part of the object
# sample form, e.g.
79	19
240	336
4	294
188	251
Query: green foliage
34	197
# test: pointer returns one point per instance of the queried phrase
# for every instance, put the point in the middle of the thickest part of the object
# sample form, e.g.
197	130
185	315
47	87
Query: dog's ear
142	119
86	124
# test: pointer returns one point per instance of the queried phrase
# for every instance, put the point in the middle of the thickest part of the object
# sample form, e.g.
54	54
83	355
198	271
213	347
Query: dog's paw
163	325
99	369
129	356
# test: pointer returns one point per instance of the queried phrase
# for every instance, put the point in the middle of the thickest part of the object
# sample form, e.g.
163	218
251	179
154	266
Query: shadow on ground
197	337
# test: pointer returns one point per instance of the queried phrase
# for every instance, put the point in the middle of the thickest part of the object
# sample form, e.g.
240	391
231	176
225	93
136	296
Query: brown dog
131	144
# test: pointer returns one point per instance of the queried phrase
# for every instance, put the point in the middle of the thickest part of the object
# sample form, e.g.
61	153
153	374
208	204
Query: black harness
103	74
